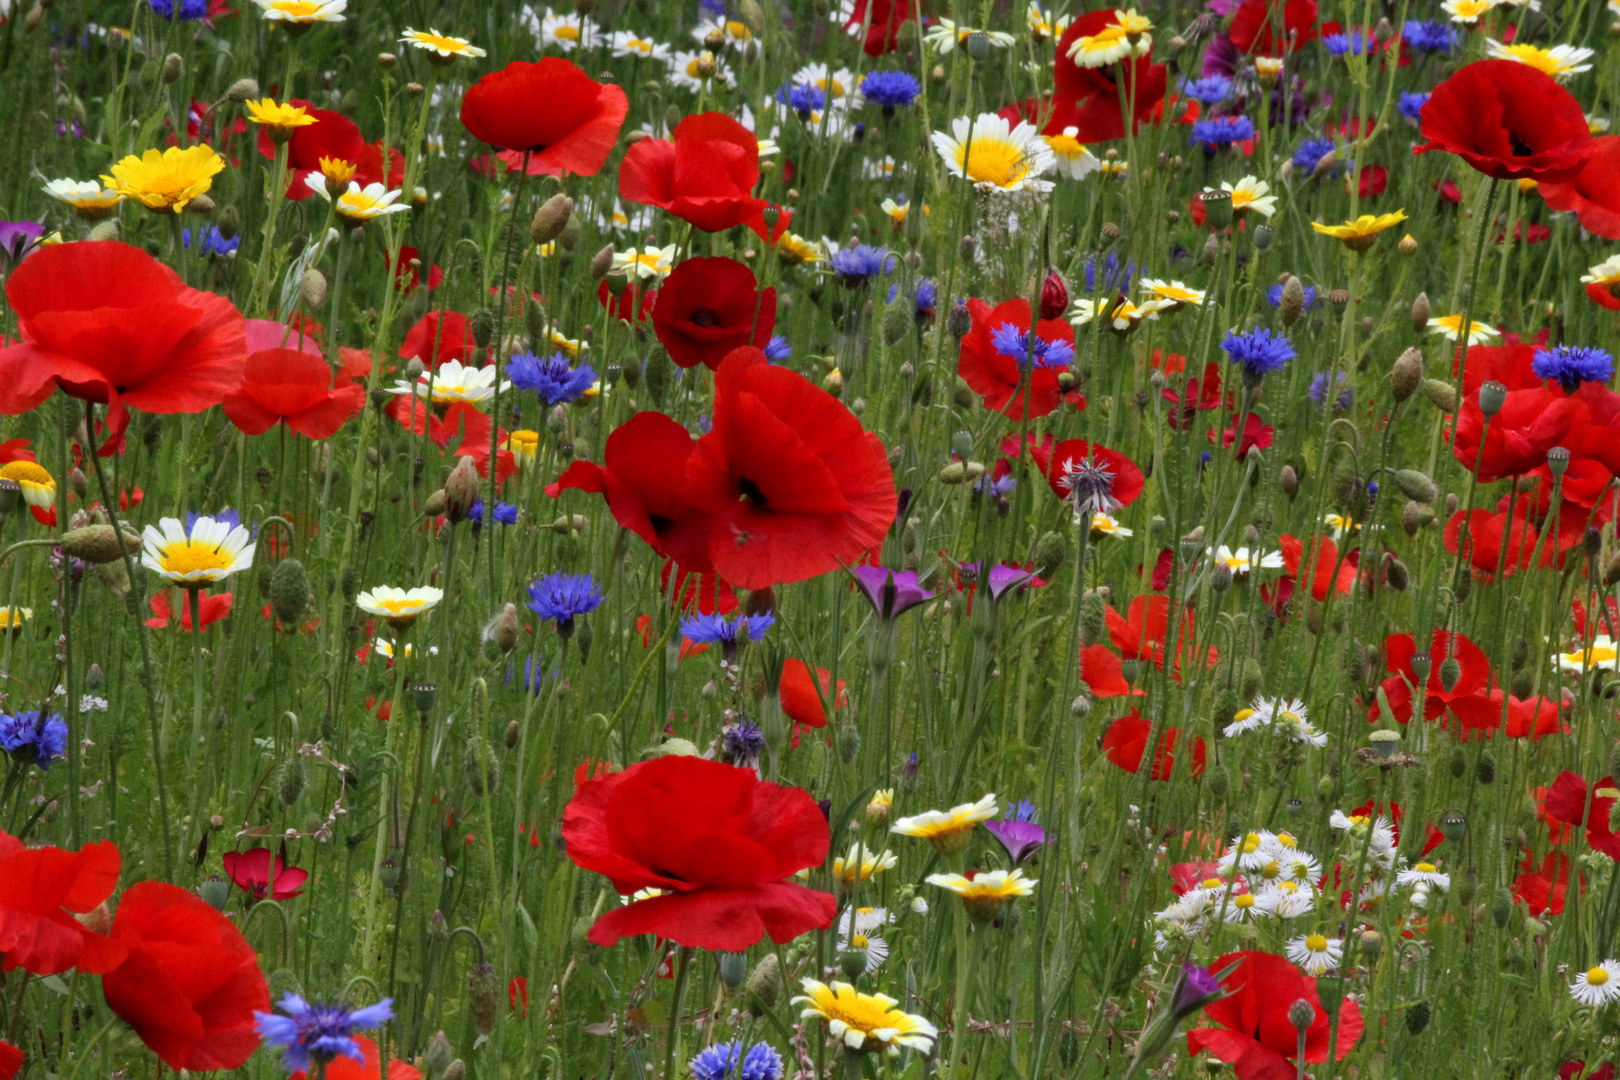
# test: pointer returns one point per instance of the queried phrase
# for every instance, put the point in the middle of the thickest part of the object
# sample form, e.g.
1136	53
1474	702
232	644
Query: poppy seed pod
460	490
289	592
1558	461
550	220
978	46
1217	209
1421	312
734	967
215	891
1492	396
1263	237
1406	374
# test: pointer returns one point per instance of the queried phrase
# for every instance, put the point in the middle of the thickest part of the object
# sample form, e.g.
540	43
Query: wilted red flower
343	1067
1256	433
719	842
108	323
792	485
643	476
995	352
215	606
1254	26
1594	192
881	24
332	136
259	873
1141	633
710	306
1125	744
1467	699
551	110
1255	1035
705	175
294	388
40	889
191	983
1543	889
440	336
1330	573
800	700
1089	474
1507	120
1567	802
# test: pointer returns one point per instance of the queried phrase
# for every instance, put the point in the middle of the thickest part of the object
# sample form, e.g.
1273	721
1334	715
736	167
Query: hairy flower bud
483	993
897	321
98	544
1291	305
242	90
550	220
1442	395
460	489
292	780
290	593
1406	374
1093	617
312	288
1049	553
1302	1014
1422	312
601	263
958	322
1416	485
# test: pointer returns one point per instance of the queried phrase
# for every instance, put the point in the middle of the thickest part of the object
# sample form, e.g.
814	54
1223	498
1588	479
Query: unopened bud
1442	395
290	593
550	220
98	544
460	489
312	288
1292	302
173	68
1406	374
243	90
601	263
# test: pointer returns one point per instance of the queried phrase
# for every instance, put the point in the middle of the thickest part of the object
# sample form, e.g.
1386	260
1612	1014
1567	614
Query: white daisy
1425	873
1287	900
1467	12
1450	328
649	263
1251	193
209	553
627	44
1175	292
89	199
695	70
1604	654
995	155
564	31
730	31
863	860
1559	61
1072	157
1103	525
303	11
1123	316
1244	907
1597	986
1383	833
945	35
1044	24
838	87
452	382
1127	35
1243	561
1316	954
399	607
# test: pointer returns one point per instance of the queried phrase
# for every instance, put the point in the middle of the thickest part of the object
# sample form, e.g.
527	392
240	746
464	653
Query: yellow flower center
831	87
1244	901
567	33
298	9
438	41
1316	943
27	473
1270	870
859	941
1212	883
1424	868
399	607
737	30
1251	843
692	68
358	204
187	557
1107	38
993	161
1473	9
1597	976
1066	146
861	1012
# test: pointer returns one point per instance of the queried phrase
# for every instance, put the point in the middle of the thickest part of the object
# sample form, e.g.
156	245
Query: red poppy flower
1255	1035
1125	744
1542	889
881	23
1255	20
39	889
708	307
1507	120
1089	99
704	176
332	135
1202	392
643	476
1594	192
1374	180
1602	294
369	169
1142	632
800	701
407	277
718	841
1497	543
1331	571
108	323
293	388
634	304
257	871
11	1060
792	485
215	606
1187	876
563	119
440	336
462	419
346	1068
191	983
1467	699
1255	434
997	376
1107	478
1576	1070
1567	802
1104	673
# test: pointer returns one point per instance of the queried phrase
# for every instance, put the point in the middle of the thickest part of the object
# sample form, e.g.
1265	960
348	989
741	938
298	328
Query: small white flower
1604	654
649	263
945	35
1251	193
1126	35
687	69
208	553
1316	954
1450	328
451	382
1597	986
995	155
563	31
632	46
1426	874
1074	159
1287	900
1175	293
1242	561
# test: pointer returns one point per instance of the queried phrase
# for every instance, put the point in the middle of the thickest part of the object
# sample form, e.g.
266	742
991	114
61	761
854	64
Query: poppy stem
503	300
683	962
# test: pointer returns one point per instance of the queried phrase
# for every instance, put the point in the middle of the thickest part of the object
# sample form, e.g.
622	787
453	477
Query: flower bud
173	68
243	90
1408	245
1421	312
98	544
1054	295
312	288
1302	1014
601	263
1397	575
959	321
1501	906
456	1070
1093	617
764	983
897	320
290	593
1292	302
1288	480
1442	395
439	1052
550	219
1416	485
292	780
1048	553
460	489
1220	578
1417	1017
483	992
1406	374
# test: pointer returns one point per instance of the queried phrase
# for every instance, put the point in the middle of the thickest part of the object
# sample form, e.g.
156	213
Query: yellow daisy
209	553
399	607
303	13
948	830
862	861
983	893
1362	233
1560	61
1127	35
524	446
1450	328
167	180
280	120
440	46
865	1022
38	486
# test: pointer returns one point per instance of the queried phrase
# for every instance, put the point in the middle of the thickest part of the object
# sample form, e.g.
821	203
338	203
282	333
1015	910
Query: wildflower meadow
763	539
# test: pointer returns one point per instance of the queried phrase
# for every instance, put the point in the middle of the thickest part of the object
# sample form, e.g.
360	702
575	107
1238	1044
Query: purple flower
1017	832
1354	42
741	744
1572	365
1412	105
991	484
859	264
1427	36
18	240
1258	352
1198	986
778	348
1014	344
552	378
1274	297
1221	132
802	98
892	593
1310	154
1210	90
727	1061
1002	578
319	1032
563	597
34	738
1319	390
715	630
890	89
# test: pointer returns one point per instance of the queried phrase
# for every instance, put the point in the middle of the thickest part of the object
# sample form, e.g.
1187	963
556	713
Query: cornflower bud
1302	1014
1421	312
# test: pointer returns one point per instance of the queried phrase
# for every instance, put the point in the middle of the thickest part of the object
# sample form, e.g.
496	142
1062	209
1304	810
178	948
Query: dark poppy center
658	522
750	491
705	317
670	874
1520	148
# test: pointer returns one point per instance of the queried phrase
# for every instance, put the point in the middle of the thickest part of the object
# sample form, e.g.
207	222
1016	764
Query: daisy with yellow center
948	830
303	13
1114	167
1362	233
399	607
1467	12
1450	328
1316	954
1605	273
718	27
440	45
865	1022
1560	61
896	211
13	619
1127	35
524	446
1123	316
336	171
385	648
451	382
946	35
211	552
1267	68
1176	292
983	893
359	204
1597	125
1243	561
629	46
566	30
1251	194
1242	908
279	120
696	70
1102	525
863	862
572	346
1603	654
89	199
793	248
994	155
646	264
1424	873
167	180
37	484
1597	986
880	806
1071	156
1044	25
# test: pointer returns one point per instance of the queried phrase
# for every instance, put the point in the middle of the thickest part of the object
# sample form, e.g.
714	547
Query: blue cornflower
717	8
1572	365
922	297
227	515
1427	36
551	378
1210	90
741	744
1114	277
1412	105
562	597
990	484
34	738
855	266
715	630
1014	344
1354	42
890	89
189	9
319	1032
213	243
778	348
1274	297
802	98
1258	352
1311	152
1222	132
727	1061
505	513
1319	390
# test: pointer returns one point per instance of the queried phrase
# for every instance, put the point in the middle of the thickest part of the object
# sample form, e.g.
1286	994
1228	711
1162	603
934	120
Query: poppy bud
439	1052
969	247
1417	1017
456	1070
1450	672
202	206
1211	252
1501	906
483	991
1421	312
1443	396
434	504
1302	1014
765	982
1406	374
98	544
568	239
1288	480
173	68
1398	576
480	767
1217	209
1492	396
1485	768
460	489
1292	302
897	321
243	90
292	780
1416	485
114	577
1054	295
550	219
504	629
751	15
1093	617
77	482
601	263
289	592
312	288
1048	553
